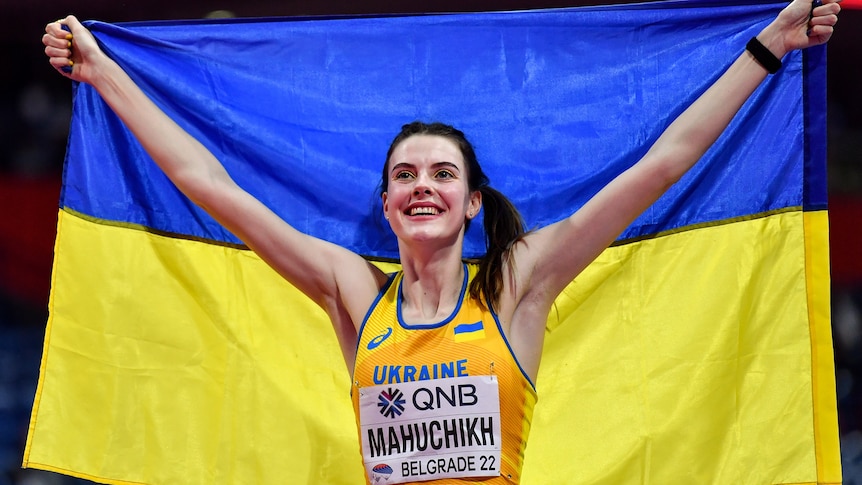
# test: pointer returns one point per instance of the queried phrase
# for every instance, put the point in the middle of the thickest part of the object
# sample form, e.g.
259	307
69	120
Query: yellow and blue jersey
468	343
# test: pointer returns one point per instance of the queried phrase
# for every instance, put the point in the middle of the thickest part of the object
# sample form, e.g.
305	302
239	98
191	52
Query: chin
423	236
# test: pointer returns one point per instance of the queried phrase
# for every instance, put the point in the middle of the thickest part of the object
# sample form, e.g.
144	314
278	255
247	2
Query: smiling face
427	197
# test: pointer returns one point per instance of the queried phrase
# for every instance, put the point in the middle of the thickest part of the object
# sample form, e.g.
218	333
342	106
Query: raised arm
557	253
548	259
321	270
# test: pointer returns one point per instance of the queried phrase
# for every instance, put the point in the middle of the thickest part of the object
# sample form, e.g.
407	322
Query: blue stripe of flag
315	115
468	327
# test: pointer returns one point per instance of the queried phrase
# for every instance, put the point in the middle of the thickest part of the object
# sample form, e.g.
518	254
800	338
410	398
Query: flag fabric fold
696	349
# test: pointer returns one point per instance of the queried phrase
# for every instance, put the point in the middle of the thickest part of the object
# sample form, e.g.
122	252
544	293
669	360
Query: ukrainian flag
469	331
697	349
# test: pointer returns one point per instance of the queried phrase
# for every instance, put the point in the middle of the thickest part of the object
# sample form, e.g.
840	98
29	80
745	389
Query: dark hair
503	223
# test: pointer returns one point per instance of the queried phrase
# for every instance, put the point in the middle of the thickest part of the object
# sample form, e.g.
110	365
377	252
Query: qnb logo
391	403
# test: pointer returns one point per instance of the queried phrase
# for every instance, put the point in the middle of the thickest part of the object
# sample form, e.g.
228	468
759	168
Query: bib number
432	429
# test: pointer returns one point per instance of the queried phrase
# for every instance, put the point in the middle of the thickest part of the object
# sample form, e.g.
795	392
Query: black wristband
763	56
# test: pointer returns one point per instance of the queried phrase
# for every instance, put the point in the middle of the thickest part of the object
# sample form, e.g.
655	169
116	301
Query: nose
422	186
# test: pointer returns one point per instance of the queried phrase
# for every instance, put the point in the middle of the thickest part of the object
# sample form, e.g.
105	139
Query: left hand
799	26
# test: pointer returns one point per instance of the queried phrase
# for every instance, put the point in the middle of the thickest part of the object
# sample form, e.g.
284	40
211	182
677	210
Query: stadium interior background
35	107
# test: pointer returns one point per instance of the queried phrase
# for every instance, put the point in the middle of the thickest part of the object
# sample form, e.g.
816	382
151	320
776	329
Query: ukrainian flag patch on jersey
465	332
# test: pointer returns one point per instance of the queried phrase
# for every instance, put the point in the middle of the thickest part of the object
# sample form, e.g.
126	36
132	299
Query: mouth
423	211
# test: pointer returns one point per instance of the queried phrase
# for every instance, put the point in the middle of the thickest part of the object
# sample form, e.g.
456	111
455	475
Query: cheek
394	198
456	195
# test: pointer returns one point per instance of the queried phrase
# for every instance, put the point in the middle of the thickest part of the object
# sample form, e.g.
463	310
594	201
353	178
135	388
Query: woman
423	351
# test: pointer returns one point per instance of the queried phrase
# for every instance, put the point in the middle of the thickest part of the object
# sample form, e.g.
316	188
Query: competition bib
431	429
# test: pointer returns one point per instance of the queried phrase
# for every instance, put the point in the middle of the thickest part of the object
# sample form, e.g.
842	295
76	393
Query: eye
444	174
402	175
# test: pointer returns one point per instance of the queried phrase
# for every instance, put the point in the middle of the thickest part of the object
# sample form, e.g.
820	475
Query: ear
385	198
474	205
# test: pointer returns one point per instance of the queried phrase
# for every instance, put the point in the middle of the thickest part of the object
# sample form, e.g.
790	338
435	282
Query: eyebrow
435	165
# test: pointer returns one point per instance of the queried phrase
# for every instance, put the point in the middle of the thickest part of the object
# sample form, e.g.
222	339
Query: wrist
767	49
102	72
772	39
763	56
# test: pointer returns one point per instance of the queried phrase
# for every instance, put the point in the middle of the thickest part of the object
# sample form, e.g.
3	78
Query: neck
431	284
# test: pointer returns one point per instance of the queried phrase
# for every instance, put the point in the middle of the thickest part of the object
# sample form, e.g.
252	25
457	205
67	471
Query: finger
51	51
61	43
822	31
61	64
831	8
71	24
819	35
827	20
830	19
55	29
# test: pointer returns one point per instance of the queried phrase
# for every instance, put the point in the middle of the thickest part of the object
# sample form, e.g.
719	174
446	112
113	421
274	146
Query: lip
409	210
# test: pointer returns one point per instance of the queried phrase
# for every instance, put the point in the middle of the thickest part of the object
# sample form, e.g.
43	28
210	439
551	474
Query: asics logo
376	341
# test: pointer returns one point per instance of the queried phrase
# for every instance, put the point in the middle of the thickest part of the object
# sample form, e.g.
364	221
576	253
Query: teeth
423	211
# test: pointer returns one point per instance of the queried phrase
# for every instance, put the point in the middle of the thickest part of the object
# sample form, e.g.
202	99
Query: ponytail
504	226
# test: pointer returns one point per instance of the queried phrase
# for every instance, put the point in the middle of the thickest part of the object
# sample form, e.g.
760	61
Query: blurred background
35	107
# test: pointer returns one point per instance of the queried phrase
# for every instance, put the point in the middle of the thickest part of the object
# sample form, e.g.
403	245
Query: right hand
75	48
